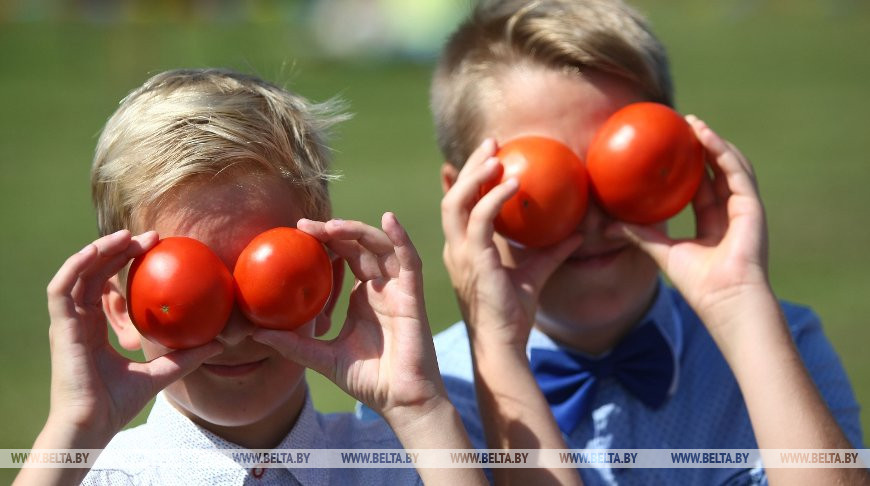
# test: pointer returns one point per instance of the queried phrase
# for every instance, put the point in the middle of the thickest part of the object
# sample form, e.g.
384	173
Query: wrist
500	371
730	310
748	323
487	346
60	432
413	425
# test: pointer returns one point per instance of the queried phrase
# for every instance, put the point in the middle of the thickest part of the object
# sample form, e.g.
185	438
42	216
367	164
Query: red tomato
179	293
552	196
645	163
283	278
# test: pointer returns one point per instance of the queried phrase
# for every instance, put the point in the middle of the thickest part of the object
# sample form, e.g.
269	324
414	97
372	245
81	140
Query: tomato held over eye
552	196
283	278
645	163
179	293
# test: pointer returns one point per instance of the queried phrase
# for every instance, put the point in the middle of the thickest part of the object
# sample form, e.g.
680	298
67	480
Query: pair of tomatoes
643	166
180	294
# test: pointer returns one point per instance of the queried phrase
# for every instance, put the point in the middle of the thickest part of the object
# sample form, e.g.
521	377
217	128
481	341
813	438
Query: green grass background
785	81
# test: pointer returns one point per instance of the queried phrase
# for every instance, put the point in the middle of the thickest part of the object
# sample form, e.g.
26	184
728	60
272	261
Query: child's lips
597	257
233	369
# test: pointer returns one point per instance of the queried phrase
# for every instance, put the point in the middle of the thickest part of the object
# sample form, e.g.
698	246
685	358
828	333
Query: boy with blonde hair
625	361
221	157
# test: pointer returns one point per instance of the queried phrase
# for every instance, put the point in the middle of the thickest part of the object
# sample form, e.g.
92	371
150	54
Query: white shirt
168	429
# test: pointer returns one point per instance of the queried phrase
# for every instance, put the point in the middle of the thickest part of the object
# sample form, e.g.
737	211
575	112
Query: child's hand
94	390
498	303
384	354
726	263
723	275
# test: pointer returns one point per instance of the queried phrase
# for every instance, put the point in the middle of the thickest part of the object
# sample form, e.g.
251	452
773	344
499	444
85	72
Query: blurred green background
785	81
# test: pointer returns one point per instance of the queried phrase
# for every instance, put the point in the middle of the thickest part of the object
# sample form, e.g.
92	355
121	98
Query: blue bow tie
642	362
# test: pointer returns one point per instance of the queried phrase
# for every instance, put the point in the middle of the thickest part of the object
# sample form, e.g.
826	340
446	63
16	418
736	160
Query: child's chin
601	302
594	317
235	406
234	418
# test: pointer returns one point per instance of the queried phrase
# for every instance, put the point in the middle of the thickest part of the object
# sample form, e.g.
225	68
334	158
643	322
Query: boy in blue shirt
625	360
221	157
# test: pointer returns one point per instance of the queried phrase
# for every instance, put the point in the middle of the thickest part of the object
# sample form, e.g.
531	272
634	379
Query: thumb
652	241
541	265
176	364
309	352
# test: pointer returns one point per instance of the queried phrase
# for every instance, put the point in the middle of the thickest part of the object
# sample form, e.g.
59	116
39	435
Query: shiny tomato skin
283	278
552	196
179	293
645	163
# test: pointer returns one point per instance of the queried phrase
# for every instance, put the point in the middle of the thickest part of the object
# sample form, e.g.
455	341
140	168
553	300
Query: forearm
515	414
435	426
785	407
58	434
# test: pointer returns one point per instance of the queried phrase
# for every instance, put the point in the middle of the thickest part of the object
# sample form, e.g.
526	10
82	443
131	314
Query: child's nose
237	329
595	219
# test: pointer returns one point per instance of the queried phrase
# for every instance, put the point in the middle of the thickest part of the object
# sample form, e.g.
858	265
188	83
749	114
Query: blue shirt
705	409
167	429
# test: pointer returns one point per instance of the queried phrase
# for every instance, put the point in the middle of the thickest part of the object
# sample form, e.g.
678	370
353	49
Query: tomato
179	293
283	278
552	196
645	163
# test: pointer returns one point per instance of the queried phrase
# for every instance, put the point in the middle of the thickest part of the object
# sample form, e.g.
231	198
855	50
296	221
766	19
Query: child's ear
115	308
449	173
324	320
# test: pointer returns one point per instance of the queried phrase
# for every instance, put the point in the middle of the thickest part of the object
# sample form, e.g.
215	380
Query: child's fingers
107	247
484	151
710	212
370	238
705	195
470	179
364	264
112	244
464	194
652	241
700	125
736	168
346	249
310	353
368	250
66	285
480	221
94	278
541	264
60	288
406	254
172	366
719	184
721	189
316	229
139	244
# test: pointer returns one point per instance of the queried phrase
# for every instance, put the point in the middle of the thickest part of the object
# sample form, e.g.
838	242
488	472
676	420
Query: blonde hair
191	123
566	35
